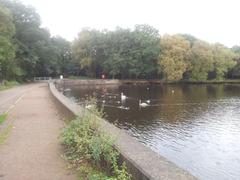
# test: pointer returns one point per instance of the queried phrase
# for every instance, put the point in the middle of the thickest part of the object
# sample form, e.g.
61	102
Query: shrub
7	84
11	83
84	140
3	118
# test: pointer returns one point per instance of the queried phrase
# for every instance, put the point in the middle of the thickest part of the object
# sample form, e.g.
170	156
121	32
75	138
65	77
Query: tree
88	49
189	38
118	48
37	54
235	71
121	53
27	50
174	58
132	54
223	60
201	60
7	48
146	50
27	22
62	49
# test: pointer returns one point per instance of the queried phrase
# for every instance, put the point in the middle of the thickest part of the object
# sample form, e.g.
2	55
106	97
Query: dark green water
195	126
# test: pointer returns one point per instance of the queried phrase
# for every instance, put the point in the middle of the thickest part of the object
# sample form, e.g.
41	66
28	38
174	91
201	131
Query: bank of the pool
141	161
76	82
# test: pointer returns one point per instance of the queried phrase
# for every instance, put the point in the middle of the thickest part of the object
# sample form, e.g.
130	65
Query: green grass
3	87
80	77
2	118
4	134
8	84
88	171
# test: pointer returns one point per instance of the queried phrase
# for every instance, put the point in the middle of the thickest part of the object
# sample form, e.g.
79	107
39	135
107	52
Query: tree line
28	50
143	53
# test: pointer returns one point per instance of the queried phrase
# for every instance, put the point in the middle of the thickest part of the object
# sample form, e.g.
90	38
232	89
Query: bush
8	84
84	140
2	118
11	83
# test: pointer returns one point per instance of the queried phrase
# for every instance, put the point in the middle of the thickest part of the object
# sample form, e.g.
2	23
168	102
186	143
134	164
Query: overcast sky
210	20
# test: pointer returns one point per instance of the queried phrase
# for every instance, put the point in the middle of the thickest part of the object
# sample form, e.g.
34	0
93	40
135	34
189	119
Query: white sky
210	20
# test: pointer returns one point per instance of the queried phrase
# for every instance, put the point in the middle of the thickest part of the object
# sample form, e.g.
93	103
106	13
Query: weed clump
85	143
3	118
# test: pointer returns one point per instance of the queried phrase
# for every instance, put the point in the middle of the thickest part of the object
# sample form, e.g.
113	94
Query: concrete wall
141	161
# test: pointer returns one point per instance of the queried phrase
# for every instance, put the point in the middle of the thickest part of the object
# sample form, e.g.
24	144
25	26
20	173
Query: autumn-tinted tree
174	57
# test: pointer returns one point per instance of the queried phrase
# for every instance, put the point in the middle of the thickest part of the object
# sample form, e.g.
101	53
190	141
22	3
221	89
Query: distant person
103	76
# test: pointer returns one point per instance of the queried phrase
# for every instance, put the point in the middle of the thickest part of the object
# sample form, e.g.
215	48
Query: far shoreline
144	81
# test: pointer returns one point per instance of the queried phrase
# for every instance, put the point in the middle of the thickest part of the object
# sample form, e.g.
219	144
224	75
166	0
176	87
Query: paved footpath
10	96
32	150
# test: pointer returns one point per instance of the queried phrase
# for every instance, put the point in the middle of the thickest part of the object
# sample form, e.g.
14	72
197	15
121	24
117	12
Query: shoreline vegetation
157	81
90	150
8	84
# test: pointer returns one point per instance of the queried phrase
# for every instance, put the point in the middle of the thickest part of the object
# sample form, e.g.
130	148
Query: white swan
142	104
89	106
123	107
67	90
123	97
148	101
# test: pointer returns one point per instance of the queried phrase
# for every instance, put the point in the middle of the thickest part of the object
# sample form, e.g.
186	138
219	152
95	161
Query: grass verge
79	77
2	118
224	81
8	84
90	150
4	134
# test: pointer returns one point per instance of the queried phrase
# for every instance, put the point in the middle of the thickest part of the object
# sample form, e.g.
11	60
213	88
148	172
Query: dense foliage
121	53
28	50
143	53
174	58
7	48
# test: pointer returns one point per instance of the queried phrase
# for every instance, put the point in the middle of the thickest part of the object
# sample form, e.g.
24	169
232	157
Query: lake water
195	126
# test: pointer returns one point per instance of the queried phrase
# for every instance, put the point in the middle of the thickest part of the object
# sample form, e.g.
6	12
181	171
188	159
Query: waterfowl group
123	97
